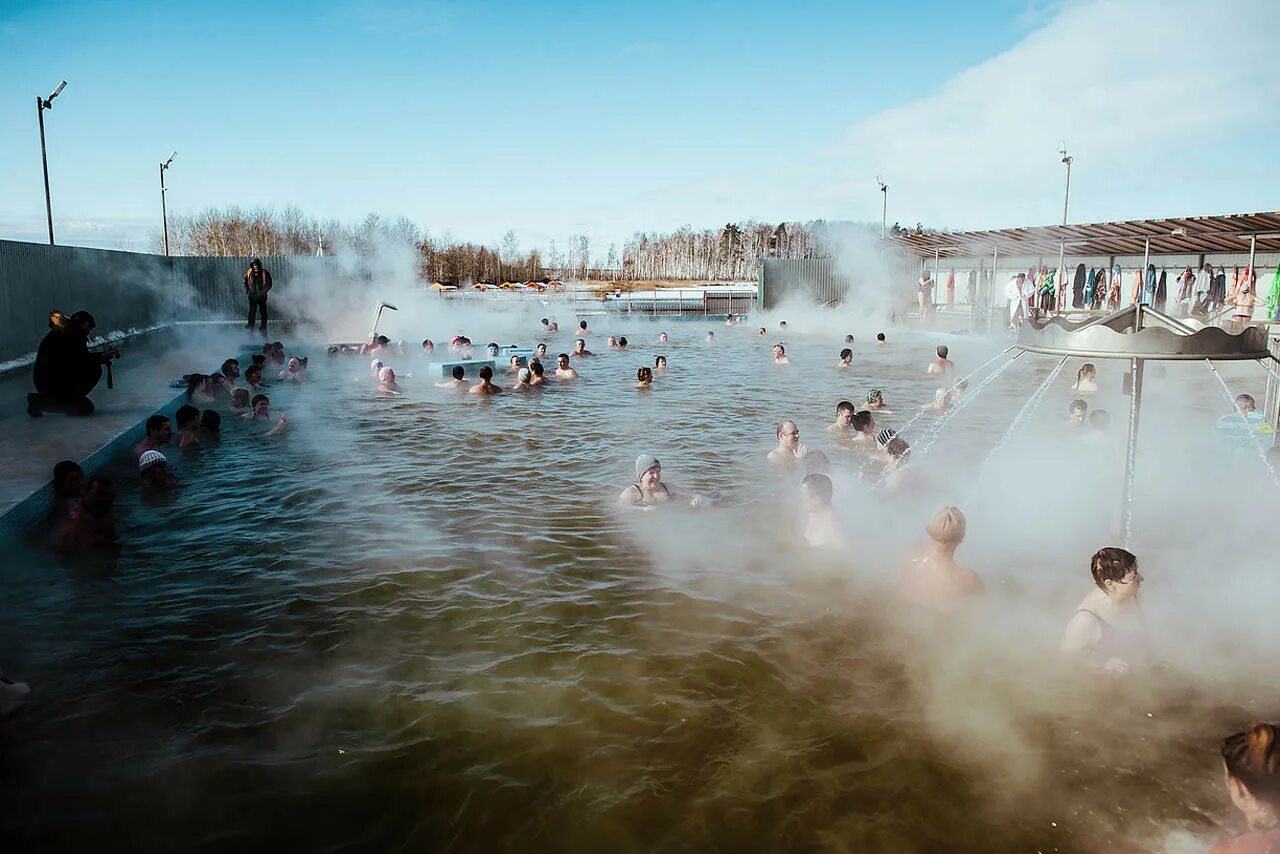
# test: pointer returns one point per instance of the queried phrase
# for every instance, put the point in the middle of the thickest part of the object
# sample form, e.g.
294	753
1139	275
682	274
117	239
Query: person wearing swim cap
458	380
485	386
895	454
822	530
649	489
522	380
931	577
789	450
387	384
875	402
153	468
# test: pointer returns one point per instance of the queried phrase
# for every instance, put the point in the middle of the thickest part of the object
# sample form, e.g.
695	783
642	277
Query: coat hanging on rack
1218	292
1162	292
1077	287
1137	285
1089	284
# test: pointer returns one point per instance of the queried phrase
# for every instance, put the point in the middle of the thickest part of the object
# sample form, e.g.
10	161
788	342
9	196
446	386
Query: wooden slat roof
1208	234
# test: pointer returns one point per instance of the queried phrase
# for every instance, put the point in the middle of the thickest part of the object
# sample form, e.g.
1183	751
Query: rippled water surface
422	624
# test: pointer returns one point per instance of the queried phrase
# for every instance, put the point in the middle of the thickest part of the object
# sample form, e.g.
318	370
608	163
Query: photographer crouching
66	370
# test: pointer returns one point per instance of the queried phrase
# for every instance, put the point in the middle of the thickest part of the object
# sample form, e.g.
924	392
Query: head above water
622	343
524	376
240	397
861	422
582	324
457	373
210	420
230	369
788	434
880	337
762	331
659	361
875	396
540	350
187	416
1246	404
1087	371
848	339
1078	408
68	479
779	351
1251	759
535	367
846	355
942	351
644	374
817	488
152	459
486	373
946	526
428	345
1115	570
816	462
645	464
1099	419
159	426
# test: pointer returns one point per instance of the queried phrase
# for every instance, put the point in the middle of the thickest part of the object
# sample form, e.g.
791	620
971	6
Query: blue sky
606	118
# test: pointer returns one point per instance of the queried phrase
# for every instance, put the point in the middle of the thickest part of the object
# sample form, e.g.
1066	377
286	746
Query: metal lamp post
43	104
1066	199
884	206
164	207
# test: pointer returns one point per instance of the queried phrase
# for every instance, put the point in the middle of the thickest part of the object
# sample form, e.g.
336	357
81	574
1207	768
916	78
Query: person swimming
1076	413
188	418
522	380
1251	762
780	355
563	369
580	348
863	429
153	469
844	418
536	369
622	343
88	522
660	364
789	450
649	489
485	386
387	384
822	527
644	377
875	402
1107	628
613	343
931	578
880	339
846	358
459	379
1085	379
941	365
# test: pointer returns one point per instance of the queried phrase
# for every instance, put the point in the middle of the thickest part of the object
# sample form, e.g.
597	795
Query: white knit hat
151	458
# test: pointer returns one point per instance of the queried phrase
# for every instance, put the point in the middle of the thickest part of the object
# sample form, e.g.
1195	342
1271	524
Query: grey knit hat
644	462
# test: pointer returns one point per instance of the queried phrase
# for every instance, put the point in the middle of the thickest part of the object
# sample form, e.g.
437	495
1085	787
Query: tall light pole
1062	245
884	205
164	207
43	104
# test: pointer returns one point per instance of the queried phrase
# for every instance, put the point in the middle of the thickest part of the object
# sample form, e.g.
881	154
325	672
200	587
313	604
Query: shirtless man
846	358
514	366
848	339
660	364
780	355
153	469
231	370
563	371
89	522
458	380
536	370
613	343
844	418
582	328
293	371
931	578
253	378
649	489
540	351
485	385
260	410
941	366
580	348
822	531
789	450
159	433
864	429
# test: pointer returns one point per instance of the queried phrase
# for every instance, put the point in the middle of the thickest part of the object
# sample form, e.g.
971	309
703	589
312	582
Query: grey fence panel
816	277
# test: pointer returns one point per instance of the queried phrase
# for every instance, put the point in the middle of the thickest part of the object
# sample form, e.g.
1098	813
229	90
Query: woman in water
1251	760
428	347
68	487
293	371
846	358
649	489
931	578
536	369
644	378
660	364
198	390
1085	379
1107	628
875	402
522	380
387	384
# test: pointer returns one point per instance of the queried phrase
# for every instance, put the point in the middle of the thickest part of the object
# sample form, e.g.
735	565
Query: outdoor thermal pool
422	623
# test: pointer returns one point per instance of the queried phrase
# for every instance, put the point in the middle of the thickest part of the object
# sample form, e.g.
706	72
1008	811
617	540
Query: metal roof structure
1172	236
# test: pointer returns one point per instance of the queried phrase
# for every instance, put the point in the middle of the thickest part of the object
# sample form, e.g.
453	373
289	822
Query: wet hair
1100	419
898	448
816	462
582	324
818	485
1086	368
458	372
255	370
1246	398
658	360
259	398
946	525
1111	564
193	382
536	367
186	414
156	423
644	373
942	351
780	347
845	406
546	322
1078	406
848	339
210	420
226	366
514	360
486	372
622	342
240	396
63	470
782	424
583	342
543	345
763	330
846	353
564	356
1252	757
861	421
383	340
879	336
427	342
258	361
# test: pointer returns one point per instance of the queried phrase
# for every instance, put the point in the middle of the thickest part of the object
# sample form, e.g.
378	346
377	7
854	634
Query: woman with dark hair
1251	760
1107	628
644	377
198	389
68	486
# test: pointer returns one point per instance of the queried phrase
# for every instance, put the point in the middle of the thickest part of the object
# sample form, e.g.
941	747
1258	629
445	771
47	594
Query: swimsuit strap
1095	615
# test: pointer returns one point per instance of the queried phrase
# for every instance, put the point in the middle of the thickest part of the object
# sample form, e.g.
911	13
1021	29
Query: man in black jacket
257	281
65	370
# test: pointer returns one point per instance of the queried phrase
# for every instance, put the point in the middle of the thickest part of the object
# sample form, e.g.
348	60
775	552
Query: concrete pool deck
29	447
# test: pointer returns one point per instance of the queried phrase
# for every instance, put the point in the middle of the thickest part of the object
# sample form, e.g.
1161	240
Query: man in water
660	364
486	385
159	433
261	411
848	339
253	378
662	338
540	351
822	531
563	371
231	370
1076	413
65	371
931	578
880	339
613	343
864	429
846	358
582	328
536	371
789	449
780	355
580	348
257	283
458	381
941	366
844	418
89	522
649	488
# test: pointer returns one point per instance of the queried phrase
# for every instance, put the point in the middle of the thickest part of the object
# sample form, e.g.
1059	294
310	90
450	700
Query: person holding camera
257	282
66	370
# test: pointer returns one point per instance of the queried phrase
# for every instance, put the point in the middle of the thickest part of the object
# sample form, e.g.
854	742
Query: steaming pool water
423	624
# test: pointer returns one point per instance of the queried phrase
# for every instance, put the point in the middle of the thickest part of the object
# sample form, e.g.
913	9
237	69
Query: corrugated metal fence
131	290
818	277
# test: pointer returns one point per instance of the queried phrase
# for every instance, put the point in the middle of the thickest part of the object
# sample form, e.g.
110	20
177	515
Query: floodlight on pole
884	205
1062	247
43	104
164	207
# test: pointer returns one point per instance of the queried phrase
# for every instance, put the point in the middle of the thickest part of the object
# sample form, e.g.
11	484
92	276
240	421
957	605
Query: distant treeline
730	253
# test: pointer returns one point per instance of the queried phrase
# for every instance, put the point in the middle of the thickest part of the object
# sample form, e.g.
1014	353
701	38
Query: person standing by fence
257	282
